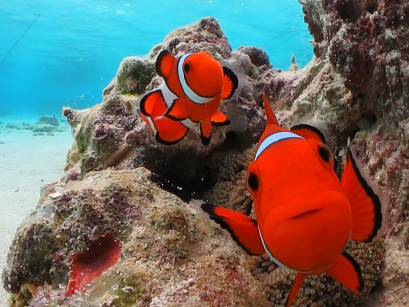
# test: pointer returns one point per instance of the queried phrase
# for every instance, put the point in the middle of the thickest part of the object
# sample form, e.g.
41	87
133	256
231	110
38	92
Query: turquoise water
63	53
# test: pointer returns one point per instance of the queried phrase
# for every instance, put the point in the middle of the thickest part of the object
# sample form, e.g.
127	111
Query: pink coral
87	265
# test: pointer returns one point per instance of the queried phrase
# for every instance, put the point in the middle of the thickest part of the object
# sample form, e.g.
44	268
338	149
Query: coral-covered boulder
169	253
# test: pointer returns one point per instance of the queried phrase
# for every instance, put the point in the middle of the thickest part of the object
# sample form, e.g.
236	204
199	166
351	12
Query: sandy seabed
27	162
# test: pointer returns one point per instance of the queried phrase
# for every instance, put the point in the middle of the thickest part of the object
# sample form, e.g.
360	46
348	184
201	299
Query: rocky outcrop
116	174
169	252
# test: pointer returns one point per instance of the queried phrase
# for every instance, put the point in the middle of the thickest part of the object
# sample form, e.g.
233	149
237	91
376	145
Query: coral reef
120	181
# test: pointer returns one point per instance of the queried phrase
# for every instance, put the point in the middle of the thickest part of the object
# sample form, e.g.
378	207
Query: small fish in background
305	215
190	94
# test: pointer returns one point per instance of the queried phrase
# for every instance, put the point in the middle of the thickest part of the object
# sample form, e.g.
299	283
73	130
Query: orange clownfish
305	215
191	92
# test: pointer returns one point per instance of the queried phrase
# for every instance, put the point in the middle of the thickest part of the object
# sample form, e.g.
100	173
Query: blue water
63	53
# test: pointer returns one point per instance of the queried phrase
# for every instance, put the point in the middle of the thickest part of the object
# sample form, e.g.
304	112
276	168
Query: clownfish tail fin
271	118
242	228
299	279
347	271
366	207
175	132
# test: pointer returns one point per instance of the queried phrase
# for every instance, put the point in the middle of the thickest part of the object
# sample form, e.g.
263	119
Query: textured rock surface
356	86
170	253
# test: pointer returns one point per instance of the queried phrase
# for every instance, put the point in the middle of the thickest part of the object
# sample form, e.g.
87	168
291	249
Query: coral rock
170	254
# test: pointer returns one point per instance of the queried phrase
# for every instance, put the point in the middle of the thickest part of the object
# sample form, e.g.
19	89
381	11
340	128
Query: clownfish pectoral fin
219	119
271	118
366	208
169	131
308	132
230	83
347	272
179	110
165	63
299	279
241	227
206	131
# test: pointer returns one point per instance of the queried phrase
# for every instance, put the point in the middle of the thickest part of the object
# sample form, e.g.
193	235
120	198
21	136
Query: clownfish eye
252	181
186	67
324	153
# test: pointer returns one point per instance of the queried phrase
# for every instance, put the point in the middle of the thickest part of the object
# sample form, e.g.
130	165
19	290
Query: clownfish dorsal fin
271	118
347	271
230	83
165	63
299	279
308	132
366	207
241	227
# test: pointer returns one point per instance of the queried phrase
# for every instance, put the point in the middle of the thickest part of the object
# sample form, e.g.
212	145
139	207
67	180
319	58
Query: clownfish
304	214
190	94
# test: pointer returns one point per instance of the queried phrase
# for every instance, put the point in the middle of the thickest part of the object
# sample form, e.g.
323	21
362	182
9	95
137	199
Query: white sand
27	162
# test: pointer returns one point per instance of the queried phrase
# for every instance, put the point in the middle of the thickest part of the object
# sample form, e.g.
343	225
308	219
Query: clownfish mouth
306	214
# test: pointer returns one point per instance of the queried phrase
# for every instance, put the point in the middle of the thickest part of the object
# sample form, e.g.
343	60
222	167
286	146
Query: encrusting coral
171	255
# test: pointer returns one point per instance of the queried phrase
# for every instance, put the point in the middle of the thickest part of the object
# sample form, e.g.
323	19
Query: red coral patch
87	265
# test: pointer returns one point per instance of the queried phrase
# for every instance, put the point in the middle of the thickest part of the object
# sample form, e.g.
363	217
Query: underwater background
96	179
63	53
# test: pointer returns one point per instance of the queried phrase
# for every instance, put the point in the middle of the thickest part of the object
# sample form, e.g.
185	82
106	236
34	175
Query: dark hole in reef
351	133
202	182
348	10
367	121
231	140
371	6
360	96
185	173
377	288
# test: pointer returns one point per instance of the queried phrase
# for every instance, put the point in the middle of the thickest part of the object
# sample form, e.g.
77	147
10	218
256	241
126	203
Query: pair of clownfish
305	215
190	94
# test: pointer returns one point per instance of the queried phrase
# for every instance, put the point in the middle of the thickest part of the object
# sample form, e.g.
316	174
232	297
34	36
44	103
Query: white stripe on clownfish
188	91
274	138
167	94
